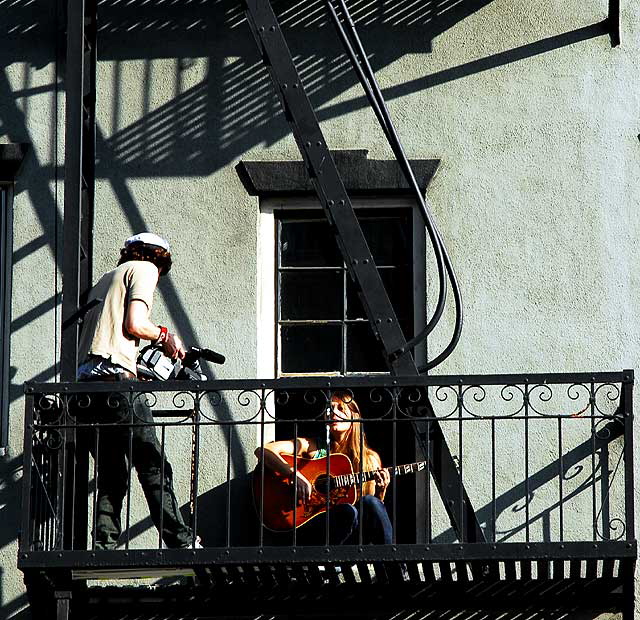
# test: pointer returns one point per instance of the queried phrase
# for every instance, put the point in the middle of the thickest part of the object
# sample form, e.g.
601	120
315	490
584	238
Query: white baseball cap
149	239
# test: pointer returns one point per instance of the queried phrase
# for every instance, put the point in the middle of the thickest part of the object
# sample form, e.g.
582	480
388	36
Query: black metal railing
542	458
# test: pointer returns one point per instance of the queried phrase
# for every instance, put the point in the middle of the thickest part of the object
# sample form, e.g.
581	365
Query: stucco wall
533	114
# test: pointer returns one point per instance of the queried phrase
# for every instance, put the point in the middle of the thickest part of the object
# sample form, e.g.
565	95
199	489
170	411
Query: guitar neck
347	480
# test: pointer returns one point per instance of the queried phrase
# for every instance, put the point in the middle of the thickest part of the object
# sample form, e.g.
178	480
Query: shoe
197	544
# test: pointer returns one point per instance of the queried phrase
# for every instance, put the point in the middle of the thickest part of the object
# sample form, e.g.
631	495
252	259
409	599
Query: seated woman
345	438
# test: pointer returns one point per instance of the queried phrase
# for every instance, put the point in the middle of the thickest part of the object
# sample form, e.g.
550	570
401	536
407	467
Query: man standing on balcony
108	351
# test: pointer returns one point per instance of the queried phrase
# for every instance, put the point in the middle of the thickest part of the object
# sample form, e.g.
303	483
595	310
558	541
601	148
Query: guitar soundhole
322	484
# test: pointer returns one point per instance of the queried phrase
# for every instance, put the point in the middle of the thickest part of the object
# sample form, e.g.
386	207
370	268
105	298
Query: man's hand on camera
173	346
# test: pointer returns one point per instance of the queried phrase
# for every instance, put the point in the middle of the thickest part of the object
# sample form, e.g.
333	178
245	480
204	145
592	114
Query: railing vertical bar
163	437
594	503
195	468
295	484
327	516
263	407
48	530
494	517
70	501
38	521
394	493
37	529
360	487
131	417
429	524
560	480
526	461
96	483
461	485
28	534
228	473
627	412
61	481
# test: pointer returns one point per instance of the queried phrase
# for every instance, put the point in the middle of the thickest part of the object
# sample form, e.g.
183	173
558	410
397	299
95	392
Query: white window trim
266	253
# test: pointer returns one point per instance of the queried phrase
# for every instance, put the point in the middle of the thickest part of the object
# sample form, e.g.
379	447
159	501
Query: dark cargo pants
126	436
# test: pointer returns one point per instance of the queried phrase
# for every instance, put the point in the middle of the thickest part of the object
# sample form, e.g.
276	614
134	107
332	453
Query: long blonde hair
354	439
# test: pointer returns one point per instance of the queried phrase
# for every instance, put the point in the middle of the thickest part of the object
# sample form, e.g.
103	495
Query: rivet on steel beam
355	261
318	143
285	86
261	29
389	320
331	203
295	84
365	261
273	28
342	203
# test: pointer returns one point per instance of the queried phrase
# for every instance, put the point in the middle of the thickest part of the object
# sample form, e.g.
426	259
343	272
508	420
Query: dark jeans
344	525
118	446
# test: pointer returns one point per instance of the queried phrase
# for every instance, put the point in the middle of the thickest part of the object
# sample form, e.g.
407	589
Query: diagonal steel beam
339	211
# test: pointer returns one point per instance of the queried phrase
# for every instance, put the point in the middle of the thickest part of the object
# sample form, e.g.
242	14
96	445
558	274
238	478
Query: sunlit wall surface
531	111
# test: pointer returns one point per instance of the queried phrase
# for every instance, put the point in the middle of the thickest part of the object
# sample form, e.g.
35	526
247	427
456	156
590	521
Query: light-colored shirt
103	333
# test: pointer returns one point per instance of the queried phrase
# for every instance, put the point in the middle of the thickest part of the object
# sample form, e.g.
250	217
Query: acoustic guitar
339	486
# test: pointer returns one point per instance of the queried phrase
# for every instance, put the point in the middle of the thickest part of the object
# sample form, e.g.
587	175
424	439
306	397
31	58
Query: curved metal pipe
378	104
369	83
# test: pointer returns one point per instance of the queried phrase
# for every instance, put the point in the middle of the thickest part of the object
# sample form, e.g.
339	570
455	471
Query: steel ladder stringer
341	216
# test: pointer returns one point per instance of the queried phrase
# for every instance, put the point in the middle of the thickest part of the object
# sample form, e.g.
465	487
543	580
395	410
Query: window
318	324
311	320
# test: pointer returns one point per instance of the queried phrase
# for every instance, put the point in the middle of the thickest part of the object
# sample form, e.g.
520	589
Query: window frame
268	363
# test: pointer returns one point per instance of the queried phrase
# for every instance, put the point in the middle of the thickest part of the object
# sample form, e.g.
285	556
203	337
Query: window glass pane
389	239
364	352
308	244
311	348
398	285
314	295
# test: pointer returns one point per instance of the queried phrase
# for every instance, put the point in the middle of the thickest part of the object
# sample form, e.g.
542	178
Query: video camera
154	364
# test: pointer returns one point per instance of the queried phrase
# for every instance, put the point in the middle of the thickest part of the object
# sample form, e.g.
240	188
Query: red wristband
164	332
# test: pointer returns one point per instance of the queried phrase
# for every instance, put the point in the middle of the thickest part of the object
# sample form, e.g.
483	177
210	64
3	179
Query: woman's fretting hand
382	480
